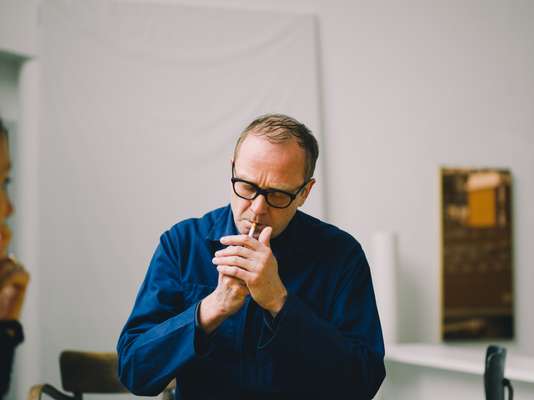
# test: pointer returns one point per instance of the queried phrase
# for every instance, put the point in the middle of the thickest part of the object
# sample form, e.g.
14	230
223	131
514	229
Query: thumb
265	236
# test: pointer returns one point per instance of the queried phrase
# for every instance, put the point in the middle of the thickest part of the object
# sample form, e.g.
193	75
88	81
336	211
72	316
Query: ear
305	192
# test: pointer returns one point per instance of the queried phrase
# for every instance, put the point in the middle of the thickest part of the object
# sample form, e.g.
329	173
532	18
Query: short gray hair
280	128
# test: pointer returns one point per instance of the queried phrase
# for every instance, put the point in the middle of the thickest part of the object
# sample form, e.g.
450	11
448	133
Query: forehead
279	163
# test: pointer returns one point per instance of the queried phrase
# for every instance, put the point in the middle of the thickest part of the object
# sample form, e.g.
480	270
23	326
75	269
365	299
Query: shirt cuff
203	344
270	325
271	322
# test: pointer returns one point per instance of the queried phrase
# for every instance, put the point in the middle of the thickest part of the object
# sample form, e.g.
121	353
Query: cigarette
252	229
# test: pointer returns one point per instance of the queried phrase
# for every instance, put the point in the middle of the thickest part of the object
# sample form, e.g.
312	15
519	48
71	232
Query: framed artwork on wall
476	221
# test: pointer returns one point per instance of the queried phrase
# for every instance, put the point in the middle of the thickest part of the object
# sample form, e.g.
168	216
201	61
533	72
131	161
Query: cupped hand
13	282
252	262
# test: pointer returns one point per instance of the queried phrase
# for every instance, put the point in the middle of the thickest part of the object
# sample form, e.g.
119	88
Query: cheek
239	205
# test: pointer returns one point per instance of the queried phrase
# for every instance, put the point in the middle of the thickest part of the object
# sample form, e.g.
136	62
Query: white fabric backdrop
142	105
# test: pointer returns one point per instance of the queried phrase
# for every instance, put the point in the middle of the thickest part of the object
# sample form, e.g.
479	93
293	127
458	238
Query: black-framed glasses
274	197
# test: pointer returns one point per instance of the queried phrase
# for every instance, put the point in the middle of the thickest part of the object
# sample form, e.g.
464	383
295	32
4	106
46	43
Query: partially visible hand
227	298
13	282
230	294
253	262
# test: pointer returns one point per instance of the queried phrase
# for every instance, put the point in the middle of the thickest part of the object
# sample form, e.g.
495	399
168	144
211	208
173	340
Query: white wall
407	87
410	86
18	26
9	69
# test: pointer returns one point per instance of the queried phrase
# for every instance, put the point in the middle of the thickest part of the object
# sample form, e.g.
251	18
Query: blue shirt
326	340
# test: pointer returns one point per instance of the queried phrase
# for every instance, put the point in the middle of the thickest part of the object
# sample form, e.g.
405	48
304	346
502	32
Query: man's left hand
253	262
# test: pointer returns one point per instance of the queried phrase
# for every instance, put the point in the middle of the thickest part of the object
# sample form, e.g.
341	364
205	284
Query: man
257	300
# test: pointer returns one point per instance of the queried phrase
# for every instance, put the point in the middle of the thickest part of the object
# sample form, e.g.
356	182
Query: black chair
494	380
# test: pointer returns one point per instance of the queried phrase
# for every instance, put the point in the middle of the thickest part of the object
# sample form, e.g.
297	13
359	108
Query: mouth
257	228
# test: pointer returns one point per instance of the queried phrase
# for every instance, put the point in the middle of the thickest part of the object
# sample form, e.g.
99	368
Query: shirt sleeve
339	354
162	333
203	344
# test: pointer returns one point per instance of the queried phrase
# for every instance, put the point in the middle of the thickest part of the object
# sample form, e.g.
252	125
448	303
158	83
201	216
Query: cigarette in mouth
252	229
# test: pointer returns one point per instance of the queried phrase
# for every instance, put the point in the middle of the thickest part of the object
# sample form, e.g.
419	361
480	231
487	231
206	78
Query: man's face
269	166
6	207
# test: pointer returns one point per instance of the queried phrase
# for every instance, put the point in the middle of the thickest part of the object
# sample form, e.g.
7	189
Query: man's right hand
227	298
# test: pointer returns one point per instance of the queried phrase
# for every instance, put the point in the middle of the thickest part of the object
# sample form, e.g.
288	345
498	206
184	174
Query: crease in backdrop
141	106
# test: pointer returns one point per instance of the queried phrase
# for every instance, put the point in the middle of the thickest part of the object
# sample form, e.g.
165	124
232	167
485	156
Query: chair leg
508	385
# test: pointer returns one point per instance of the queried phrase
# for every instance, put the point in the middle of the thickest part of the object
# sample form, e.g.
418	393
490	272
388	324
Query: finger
12	273
235	251
265	236
19	280
229	281
240	240
235	272
7	267
234	261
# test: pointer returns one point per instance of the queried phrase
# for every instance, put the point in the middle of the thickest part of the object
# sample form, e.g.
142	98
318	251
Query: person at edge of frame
13	277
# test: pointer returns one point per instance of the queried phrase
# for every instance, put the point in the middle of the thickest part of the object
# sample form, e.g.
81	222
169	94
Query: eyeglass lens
274	198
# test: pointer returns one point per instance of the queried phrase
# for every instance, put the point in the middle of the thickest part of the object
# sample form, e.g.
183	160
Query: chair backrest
494	380
90	372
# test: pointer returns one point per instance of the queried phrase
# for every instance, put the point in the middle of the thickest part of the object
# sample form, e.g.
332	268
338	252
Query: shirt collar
223	225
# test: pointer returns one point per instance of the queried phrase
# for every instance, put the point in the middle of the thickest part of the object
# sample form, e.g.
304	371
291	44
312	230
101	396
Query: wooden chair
86	372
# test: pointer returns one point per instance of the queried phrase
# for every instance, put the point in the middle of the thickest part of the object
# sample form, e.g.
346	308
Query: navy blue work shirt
326	342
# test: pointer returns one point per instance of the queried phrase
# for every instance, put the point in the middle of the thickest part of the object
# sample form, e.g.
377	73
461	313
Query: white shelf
460	359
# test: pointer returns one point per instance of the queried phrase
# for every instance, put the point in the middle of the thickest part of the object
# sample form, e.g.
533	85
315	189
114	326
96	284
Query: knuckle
236	288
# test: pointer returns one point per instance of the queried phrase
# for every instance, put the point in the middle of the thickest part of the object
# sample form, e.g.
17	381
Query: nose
7	208
259	205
